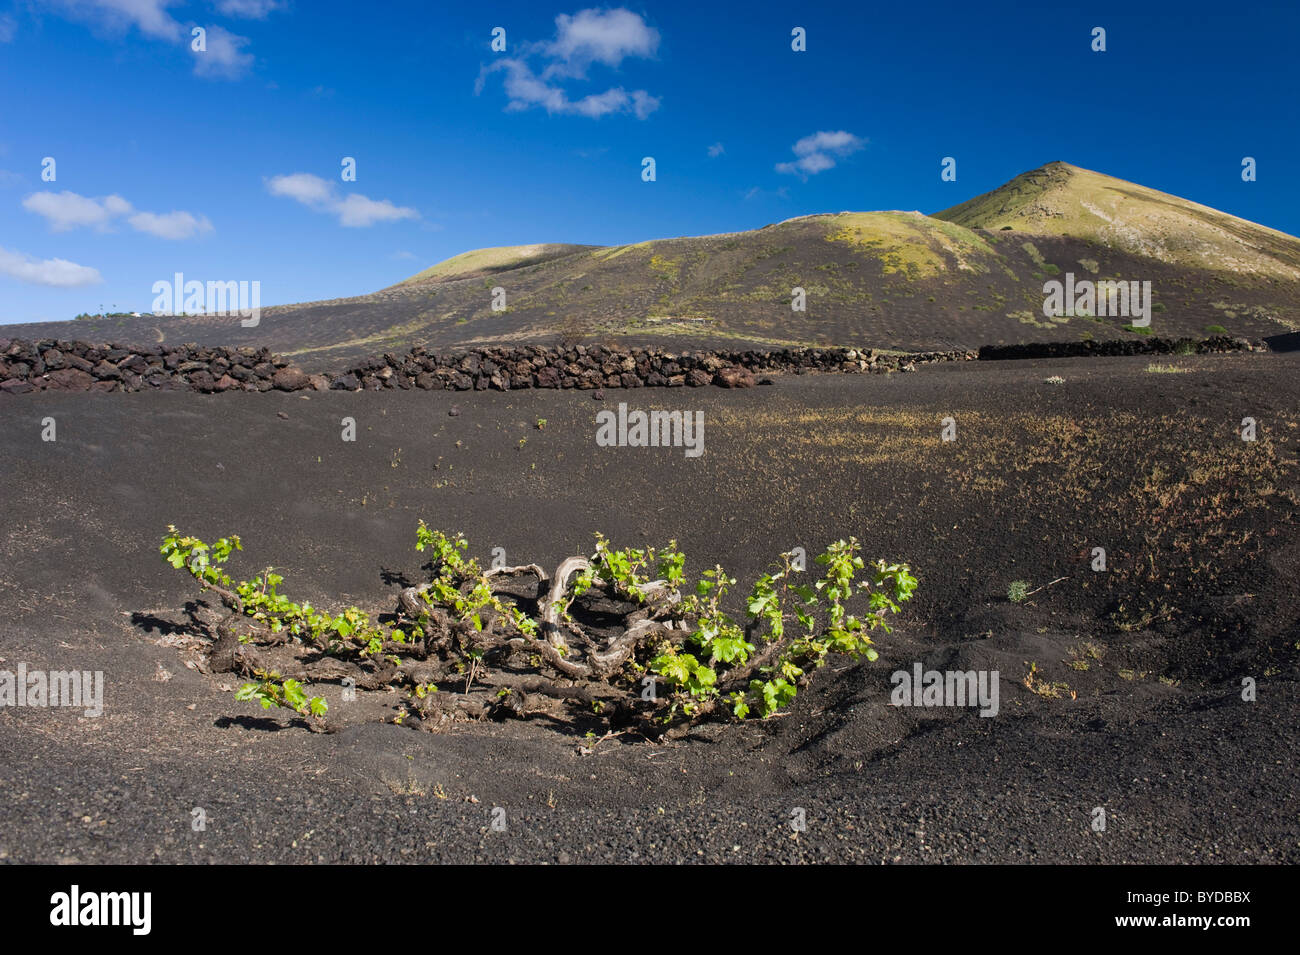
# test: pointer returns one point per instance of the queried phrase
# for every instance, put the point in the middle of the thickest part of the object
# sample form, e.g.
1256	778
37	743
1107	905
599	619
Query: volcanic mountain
969	275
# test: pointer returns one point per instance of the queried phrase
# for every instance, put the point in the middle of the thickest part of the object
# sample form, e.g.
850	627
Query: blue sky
225	164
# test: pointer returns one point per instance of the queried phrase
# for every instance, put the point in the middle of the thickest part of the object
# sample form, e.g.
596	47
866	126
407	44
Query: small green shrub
473	643
289	694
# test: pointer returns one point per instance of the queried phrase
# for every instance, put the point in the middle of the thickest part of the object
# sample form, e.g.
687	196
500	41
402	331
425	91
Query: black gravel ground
1186	771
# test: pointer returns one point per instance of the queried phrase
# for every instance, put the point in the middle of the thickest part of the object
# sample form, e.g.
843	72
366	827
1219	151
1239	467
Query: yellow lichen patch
497	258
666	268
910	243
613	252
1060	199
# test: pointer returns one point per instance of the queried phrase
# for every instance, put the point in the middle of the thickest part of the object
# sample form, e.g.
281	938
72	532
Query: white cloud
249	9
7	29
302	187
223	57
67	210
716	150
358	211
526	90
353	210
808	165
150	17
643	104
606	37
58	273
172	225
598	36
818	152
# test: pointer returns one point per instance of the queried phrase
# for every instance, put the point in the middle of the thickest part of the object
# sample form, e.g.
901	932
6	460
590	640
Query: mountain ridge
969	275
1059	198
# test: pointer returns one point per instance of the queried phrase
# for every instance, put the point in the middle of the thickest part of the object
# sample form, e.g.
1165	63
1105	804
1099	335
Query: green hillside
1060	199
968	276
